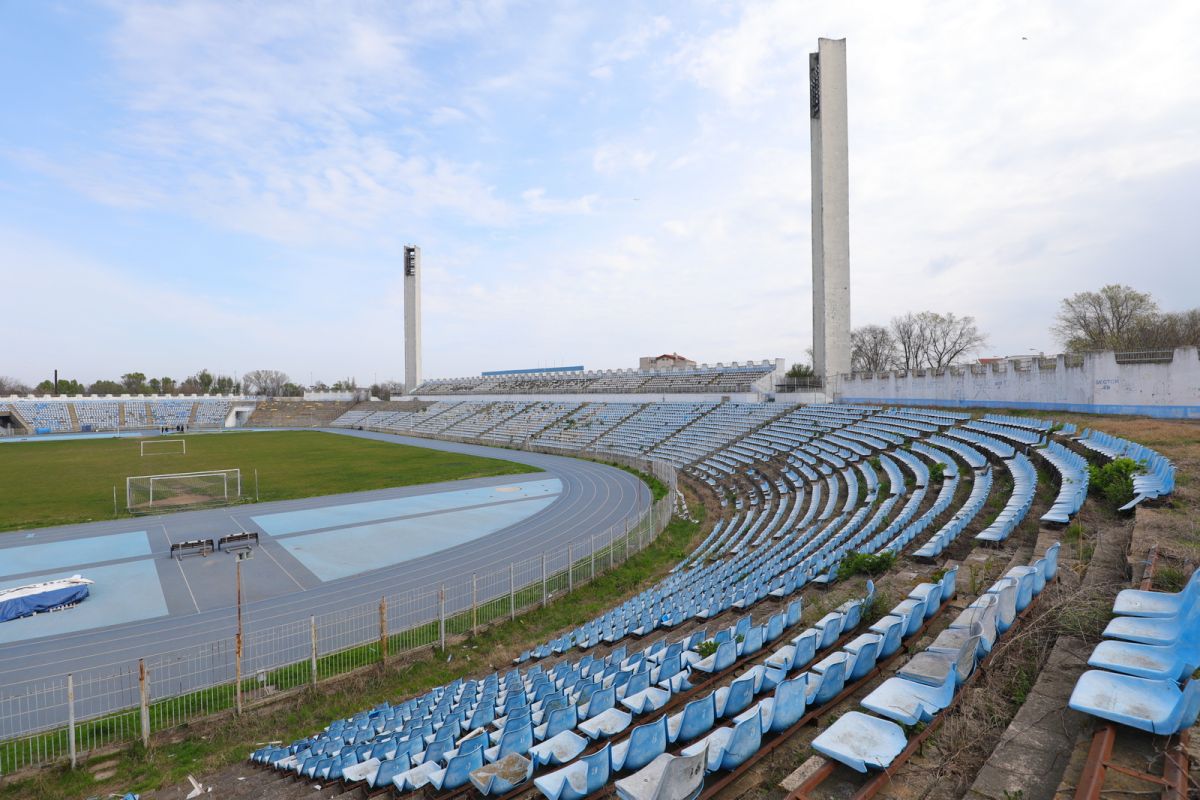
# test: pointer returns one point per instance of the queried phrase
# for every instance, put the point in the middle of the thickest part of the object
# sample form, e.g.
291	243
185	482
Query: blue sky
230	185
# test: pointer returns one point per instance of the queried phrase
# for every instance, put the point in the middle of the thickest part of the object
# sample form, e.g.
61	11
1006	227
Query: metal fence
66	716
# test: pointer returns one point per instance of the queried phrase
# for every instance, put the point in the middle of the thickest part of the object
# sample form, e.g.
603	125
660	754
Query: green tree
1105	319
135	382
107	387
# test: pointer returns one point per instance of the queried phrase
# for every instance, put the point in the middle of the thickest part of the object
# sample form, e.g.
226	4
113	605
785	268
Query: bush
937	472
1113	481
865	564
706	648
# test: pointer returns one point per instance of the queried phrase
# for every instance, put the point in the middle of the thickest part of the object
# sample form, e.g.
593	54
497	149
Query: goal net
161	447
145	493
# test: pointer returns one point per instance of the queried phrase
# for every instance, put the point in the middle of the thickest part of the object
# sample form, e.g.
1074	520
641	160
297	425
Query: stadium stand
705	379
51	417
801	488
279	413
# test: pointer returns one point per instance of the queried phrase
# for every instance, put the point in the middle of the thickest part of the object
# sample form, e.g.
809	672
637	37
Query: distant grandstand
720	378
51	415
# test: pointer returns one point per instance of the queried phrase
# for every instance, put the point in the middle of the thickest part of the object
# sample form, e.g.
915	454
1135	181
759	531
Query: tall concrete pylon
830	210
412	318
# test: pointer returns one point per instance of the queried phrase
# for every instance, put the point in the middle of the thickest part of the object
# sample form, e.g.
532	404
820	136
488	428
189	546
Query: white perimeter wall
1099	385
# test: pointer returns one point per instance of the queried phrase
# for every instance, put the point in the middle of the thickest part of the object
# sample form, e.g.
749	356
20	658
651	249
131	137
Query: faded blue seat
729	747
913	611
909	702
696	719
644	744
577	780
790	701
860	741
1154	630
1005	590
667	777
724	658
1154	706
1138	603
502	776
825	686
735	698
558	749
1151	661
891	628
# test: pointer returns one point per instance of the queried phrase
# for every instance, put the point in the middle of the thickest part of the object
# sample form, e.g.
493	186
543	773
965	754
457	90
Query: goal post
170	491
162	447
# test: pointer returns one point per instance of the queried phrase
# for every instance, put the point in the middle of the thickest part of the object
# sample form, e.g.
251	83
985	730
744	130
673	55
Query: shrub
706	648
937	472
865	564
1113	481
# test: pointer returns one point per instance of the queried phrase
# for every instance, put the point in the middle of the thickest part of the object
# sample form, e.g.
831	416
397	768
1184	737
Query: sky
230	185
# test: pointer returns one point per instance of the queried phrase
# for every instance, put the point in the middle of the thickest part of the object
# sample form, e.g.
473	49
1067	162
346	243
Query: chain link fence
65	717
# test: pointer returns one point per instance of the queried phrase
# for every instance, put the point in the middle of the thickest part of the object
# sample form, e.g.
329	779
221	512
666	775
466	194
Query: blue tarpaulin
25	605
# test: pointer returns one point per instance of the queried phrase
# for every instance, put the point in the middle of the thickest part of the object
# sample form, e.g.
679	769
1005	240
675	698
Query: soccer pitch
61	482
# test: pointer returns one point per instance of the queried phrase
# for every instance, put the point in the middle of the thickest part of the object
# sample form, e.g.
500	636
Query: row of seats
1143	676
1156	476
929	681
102	415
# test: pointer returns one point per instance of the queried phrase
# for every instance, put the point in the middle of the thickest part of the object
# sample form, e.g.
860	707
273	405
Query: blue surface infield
357	513
350	551
122	593
62	555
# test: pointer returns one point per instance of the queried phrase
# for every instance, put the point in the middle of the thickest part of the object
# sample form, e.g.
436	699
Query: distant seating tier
705	379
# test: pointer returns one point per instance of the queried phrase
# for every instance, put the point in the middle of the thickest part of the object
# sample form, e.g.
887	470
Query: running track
594	498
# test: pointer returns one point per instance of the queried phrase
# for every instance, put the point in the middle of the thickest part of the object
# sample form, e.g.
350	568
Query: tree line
1115	317
258	382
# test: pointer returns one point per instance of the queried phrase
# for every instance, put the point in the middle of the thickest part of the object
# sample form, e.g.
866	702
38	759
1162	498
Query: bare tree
1104	320
910	335
12	386
872	349
270	382
949	338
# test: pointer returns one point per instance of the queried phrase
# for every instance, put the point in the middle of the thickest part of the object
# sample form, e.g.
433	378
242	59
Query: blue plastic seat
561	748
502	776
667	777
909	702
790	702
1154	630
696	719
860	741
1138	603
1155	706
1154	662
728	747
644	744
577	780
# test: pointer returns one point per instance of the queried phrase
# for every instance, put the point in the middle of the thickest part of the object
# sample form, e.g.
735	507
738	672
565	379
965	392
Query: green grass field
60	482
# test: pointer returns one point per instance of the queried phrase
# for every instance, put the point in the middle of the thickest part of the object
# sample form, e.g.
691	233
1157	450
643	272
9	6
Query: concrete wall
1094	383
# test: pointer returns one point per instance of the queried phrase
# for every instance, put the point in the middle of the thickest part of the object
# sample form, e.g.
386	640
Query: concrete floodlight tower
830	210
412	317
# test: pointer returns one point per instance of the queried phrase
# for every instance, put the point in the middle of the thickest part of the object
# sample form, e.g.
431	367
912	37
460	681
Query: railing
1145	356
62	717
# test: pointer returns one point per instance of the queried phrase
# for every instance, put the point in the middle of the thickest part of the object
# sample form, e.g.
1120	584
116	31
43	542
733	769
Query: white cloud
614	157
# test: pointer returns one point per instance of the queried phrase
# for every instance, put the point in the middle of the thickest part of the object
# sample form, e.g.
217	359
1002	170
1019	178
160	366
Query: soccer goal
145	493
162	447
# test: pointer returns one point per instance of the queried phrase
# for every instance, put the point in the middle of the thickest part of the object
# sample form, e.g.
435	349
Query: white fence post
312	658
512	590
442	615
144	702
71	717
570	568
474	603
544	592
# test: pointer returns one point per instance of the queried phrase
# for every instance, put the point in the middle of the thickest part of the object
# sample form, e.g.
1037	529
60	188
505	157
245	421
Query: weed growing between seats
201	747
